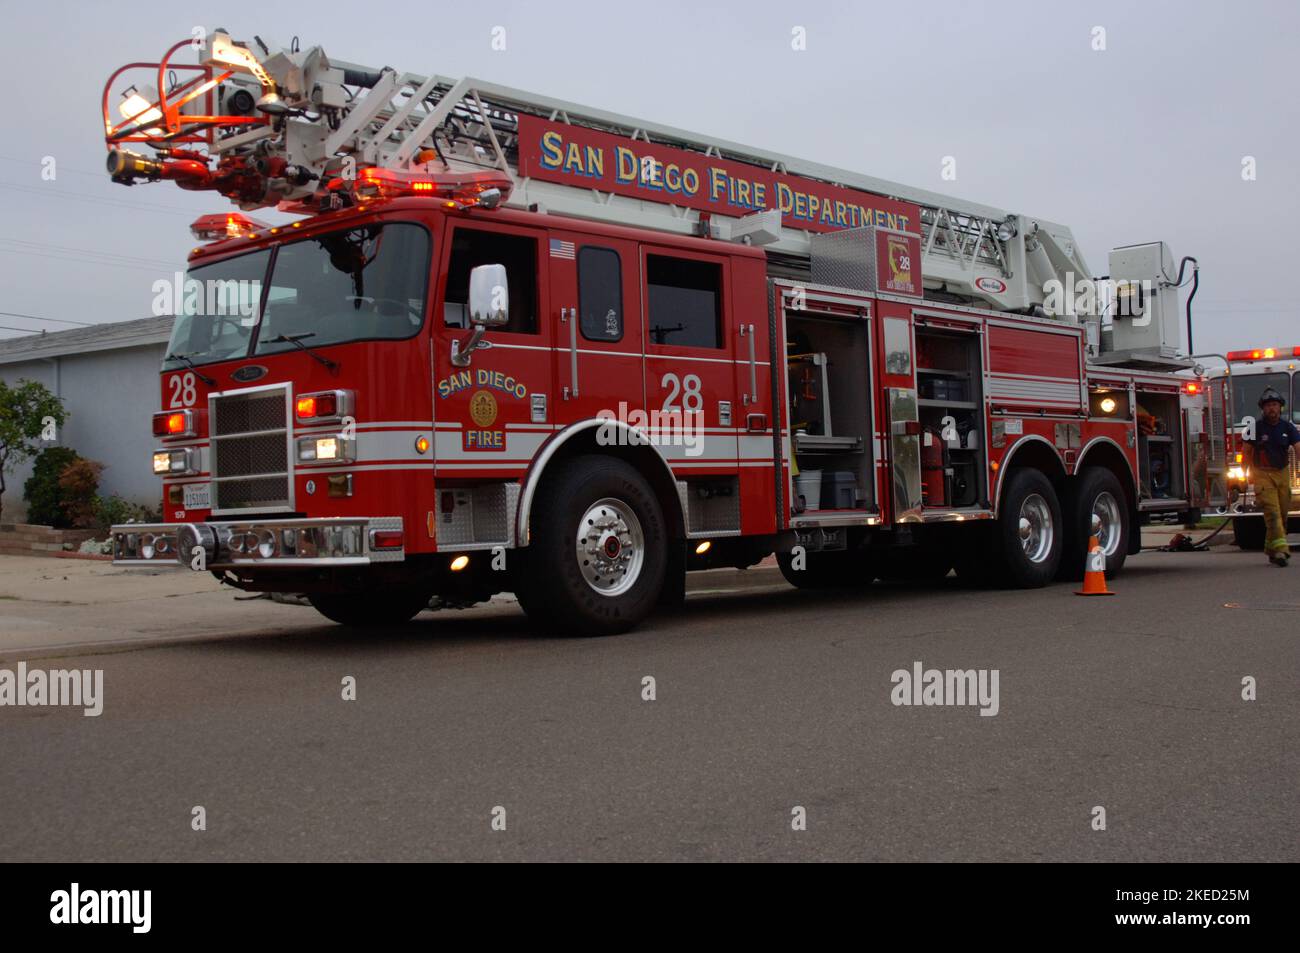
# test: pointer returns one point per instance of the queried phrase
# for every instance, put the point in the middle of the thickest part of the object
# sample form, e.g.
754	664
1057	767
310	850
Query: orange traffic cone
1094	576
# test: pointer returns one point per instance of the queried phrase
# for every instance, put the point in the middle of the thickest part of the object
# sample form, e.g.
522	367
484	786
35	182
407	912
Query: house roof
101	337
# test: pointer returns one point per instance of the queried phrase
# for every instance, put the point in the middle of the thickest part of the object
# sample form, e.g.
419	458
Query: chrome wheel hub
1105	509
1035	528
610	546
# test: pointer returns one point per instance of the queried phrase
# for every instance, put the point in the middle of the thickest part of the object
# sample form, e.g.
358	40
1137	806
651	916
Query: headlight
1237	473
182	462
330	448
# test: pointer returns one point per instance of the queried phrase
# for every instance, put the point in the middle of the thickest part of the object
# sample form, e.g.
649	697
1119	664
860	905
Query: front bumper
262	543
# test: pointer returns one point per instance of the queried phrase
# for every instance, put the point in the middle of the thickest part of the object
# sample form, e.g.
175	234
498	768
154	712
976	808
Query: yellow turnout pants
1273	493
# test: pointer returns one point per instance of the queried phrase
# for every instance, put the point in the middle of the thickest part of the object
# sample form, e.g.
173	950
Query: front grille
250	451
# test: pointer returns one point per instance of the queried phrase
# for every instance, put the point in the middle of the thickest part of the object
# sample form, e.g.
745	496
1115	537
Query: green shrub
41	491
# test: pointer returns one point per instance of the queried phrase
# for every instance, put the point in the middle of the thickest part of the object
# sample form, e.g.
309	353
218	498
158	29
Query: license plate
198	496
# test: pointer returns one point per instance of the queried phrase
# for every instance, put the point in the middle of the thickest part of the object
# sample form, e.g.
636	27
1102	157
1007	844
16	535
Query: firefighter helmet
1271	394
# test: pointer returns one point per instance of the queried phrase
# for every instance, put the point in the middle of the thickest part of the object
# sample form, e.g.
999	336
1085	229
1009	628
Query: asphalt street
766	700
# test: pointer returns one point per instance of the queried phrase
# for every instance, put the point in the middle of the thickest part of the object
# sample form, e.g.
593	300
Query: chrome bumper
269	543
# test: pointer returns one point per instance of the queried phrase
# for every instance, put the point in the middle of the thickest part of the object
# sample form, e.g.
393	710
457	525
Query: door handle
571	315
747	331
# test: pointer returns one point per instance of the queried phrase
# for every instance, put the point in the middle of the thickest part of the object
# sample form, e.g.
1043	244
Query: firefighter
1267	457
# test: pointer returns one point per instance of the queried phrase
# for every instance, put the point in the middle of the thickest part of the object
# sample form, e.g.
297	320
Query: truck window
218	310
355	285
685	301
1246	389
471	247
600	294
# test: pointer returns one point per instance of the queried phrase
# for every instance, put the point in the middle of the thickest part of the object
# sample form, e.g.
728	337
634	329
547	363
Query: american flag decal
561	249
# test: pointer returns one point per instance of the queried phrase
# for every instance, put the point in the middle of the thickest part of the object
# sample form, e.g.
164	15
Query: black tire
552	585
1248	531
379	609
1095	490
837	569
1011	563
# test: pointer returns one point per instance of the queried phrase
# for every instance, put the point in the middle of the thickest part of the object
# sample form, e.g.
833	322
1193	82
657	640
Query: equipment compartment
1161	472
950	401
827	368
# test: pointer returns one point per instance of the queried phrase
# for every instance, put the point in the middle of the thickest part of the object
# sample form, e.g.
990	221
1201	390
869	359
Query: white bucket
808	484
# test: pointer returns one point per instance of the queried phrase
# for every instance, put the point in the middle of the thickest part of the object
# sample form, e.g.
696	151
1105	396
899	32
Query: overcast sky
1142	141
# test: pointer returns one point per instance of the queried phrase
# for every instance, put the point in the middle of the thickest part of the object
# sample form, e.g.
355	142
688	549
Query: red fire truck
1234	405
520	345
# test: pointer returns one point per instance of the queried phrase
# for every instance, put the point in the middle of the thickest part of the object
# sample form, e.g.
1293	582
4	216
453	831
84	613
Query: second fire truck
517	344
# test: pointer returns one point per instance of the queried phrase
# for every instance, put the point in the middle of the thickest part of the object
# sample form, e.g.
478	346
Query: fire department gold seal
483	408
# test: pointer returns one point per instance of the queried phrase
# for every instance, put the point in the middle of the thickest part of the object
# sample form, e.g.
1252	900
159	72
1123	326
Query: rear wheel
378	608
1248	532
1027	535
596	561
1095	492
837	569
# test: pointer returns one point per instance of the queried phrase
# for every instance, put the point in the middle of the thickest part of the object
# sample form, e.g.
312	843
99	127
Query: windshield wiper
296	341
185	359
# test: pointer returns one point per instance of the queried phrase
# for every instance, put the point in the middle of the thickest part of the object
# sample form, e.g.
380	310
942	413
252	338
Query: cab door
491	409
691	376
595	322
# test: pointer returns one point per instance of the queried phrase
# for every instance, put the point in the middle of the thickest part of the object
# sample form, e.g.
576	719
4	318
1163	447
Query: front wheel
596	561
1027	536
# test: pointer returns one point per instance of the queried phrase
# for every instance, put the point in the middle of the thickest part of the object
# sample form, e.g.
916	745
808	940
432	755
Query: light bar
223	225
1264	354
456	190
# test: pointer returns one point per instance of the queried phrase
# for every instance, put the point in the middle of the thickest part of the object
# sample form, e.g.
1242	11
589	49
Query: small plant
78	484
114	510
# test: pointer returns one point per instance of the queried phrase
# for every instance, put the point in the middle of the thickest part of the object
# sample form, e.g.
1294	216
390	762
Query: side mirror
489	307
489	296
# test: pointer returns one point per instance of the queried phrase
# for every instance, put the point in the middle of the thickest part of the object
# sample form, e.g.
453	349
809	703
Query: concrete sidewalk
51	606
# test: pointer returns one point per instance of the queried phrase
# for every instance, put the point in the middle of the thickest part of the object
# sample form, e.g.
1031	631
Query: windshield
360	284
1246	389
218	311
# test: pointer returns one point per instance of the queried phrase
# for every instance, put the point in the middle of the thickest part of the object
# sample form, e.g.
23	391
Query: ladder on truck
296	116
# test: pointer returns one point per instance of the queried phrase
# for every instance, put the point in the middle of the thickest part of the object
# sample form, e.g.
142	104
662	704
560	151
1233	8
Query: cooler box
839	490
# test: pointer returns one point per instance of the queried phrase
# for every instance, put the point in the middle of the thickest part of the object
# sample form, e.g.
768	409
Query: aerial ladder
270	126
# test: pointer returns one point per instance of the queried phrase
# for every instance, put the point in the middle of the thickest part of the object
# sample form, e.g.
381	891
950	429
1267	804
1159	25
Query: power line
48	192
85	254
18	314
